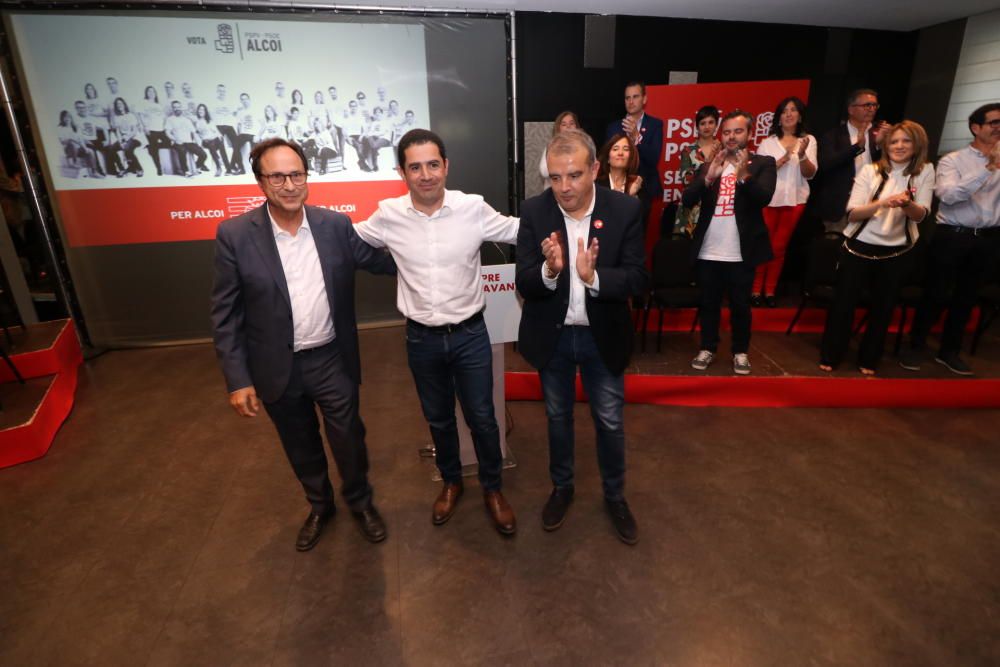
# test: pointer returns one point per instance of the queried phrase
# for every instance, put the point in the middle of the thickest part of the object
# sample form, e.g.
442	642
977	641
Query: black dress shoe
756	301
554	512
371	524
770	301
621	517
312	529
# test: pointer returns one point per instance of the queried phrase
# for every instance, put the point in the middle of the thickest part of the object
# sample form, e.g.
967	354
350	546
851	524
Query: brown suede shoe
445	504
501	512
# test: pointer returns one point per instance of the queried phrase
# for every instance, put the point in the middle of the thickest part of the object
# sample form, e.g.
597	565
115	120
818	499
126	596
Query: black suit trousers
319	378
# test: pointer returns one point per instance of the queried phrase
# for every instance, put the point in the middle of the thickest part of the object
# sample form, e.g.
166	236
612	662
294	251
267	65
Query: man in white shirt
223	115
730	240
965	244
435	237
184	141
579	259
286	336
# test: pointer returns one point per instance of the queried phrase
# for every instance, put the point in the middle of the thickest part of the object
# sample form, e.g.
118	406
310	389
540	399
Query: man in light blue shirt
966	241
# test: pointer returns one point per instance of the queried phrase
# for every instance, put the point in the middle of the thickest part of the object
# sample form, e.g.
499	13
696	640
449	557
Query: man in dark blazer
646	133
730	240
579	259
843	152
286	336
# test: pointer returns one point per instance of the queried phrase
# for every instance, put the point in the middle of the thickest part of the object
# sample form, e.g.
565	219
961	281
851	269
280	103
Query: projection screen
144	122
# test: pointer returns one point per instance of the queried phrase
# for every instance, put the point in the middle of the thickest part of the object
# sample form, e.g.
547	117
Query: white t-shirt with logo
722	238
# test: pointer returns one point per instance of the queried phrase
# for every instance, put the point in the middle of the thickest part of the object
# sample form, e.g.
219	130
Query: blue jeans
446	363
576	347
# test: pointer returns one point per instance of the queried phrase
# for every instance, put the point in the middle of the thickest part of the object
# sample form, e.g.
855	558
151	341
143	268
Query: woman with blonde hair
889	199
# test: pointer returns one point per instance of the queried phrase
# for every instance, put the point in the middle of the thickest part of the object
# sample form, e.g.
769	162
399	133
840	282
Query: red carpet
32	439
785	392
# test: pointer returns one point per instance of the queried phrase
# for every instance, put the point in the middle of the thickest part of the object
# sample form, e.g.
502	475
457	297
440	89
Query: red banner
154	215
677	105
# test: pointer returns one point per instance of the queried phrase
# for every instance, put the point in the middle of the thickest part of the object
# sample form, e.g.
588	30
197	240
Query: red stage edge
777	320
783	392
32	439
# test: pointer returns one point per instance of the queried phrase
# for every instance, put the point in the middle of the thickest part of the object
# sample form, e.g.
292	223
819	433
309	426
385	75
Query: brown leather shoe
446	502
501	512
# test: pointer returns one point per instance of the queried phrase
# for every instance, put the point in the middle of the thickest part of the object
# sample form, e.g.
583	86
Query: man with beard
730	239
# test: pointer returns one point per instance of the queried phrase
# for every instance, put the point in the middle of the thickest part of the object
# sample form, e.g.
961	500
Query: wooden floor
159	530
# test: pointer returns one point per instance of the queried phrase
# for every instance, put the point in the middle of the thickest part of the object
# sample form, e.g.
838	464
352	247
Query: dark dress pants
716	279
957	263
882	279
319	379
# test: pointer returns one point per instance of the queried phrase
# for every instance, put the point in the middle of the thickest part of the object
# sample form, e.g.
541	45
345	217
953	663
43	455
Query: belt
311	350
446	328
973	231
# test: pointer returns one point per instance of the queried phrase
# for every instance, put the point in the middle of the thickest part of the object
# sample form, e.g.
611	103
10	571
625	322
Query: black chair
989	306
673	284
820	280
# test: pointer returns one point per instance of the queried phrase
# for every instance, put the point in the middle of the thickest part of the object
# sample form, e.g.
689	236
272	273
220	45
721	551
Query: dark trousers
228	133
881	280
157	139
239	166
449	363
319	379
128	147
215	147
734	279
606	393
370	147
956	266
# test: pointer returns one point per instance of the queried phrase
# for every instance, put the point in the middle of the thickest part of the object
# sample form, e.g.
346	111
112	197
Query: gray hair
569	141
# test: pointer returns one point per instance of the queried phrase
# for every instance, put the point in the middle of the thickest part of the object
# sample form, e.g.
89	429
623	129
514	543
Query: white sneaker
703	360
741	364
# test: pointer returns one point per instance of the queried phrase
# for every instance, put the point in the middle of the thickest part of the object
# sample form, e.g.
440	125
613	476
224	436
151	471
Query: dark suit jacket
651	130
620	267
251	309
751	197
836	170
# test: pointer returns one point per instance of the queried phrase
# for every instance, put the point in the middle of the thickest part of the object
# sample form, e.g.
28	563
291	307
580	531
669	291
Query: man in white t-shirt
731	238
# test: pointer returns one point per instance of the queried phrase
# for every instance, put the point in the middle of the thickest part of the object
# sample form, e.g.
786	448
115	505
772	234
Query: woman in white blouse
888	200
794	152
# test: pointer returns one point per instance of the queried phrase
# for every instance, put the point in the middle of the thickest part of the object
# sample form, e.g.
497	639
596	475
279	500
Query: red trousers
780	221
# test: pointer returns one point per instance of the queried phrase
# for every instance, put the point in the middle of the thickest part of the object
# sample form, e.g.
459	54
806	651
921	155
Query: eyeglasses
277	180
867	105
994	124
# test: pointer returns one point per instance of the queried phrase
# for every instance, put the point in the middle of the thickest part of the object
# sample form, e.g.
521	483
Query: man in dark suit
646	133
843	152
730	240
286	336
579	259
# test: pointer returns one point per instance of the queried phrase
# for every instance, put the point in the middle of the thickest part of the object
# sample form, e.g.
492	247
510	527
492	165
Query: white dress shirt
865	158
969	192
576	314
437	256
313	323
